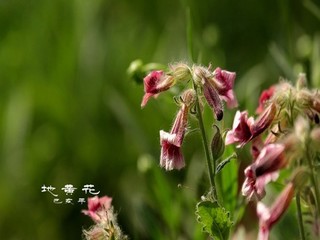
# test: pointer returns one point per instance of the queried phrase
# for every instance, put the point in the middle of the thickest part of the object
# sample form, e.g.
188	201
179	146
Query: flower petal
171	156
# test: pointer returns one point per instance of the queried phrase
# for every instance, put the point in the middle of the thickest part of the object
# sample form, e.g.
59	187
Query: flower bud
200	75
188	97
217	144
135	71
180	72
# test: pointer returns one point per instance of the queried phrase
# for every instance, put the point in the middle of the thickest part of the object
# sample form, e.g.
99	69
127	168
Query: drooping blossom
217	86
263	170
154	83
213	99
97	207
269	216
240	132
224	82
171	156
264	120
264	97
245	129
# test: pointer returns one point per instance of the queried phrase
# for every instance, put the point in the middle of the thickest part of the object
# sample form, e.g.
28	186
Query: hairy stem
211	167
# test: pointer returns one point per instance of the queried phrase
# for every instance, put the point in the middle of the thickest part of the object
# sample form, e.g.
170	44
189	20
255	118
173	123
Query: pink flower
263	170
240	132
213	99
253	187
270	159
154	83
225	83
217	86
245	129
269	216
264	120
171	156
264	97
97	206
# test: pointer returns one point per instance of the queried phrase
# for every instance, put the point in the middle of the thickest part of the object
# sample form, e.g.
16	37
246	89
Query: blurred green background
69	113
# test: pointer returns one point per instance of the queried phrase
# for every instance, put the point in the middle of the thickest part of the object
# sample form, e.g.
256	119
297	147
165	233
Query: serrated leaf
214	219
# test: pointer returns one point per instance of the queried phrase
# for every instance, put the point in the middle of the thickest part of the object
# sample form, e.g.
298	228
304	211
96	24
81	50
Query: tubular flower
224	82
213	99
97	207
253	187
154	83
264	120
263	170
171	156
269	216
245	129
217	86
240	132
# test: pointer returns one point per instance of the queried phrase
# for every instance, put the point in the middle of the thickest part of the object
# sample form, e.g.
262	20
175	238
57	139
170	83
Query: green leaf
214	219
225	162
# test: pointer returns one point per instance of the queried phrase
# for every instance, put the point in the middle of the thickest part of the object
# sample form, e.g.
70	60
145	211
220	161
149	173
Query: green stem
211	167
313	180
218	182
300	221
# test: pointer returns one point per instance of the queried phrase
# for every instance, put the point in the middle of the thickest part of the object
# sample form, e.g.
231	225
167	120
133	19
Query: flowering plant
284	137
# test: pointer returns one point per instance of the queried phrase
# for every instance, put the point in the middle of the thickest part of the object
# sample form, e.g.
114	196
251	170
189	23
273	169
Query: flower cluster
101	212
284	131
215	86
285	134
